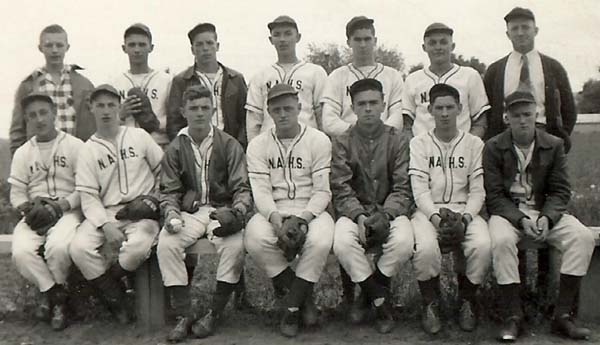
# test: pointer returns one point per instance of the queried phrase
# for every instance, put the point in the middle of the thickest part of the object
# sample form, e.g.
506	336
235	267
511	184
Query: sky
568	32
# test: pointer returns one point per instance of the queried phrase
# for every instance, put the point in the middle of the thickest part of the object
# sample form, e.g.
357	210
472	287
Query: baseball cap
519	12
202	27
439	90
104	88
35	95
518	97
365	84
279	90
282	20
438	27
138	28
353	23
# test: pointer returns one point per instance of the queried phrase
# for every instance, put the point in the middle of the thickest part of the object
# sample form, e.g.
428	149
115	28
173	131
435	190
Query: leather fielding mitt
452	230
293	235
145	118
231	220
142	207
377	229
43	215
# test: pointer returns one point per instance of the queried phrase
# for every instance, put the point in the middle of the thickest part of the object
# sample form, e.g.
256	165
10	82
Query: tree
471	62
588	99
331	56
416	67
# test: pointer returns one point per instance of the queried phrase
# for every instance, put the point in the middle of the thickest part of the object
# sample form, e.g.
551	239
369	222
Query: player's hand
543	227
173	222
64	204
362	231
529	228
435	220
114	235
307	216
130	106
276	220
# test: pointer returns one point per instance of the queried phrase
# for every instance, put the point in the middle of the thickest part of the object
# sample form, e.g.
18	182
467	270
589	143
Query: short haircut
53	29
441	90
200	28
196	92
361	25
28	100
367	84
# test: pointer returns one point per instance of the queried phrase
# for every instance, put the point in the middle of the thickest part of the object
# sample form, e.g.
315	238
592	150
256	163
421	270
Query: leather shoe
510	329
59	319
565	326
359	309
385	317
205	326
430	319
42	312
181	330
310	313
290	323
467	320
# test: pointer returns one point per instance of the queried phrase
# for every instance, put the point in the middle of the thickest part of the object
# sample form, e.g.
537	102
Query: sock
283	281
221	296
466	289
567	292
382	279
430	290
298	293
510	299
180	299
57	294
372	289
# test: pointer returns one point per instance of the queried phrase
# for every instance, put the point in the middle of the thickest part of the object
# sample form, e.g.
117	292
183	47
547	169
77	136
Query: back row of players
289	167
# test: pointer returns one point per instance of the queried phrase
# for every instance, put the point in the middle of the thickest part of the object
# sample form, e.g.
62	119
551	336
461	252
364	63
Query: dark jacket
227	173
371	173
548	168
85	124
233	101
561	114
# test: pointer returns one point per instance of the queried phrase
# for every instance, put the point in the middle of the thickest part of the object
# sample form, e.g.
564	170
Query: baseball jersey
468	82
48	174
337	113
447	174
290	172
214	82
116	173
156	85
306	78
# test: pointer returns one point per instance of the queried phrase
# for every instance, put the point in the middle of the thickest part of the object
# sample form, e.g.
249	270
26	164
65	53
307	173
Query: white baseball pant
351	254
91	260
171	249
574	240
25	245
476	248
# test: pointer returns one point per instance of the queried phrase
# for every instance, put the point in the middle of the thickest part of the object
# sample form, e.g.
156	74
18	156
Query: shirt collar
186	132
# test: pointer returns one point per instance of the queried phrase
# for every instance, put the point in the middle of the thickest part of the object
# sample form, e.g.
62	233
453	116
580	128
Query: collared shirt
536	74
202	153
62	96
521	189
214	82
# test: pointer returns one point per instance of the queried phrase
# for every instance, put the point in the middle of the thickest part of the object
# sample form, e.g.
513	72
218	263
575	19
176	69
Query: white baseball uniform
448	175
109	175
290	176
156	85
337	113
468	82
305	77
45	170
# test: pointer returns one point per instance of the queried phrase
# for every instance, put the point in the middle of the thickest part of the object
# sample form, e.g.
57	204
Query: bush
8	215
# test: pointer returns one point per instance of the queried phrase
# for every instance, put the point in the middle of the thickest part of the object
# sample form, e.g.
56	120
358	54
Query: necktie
524	79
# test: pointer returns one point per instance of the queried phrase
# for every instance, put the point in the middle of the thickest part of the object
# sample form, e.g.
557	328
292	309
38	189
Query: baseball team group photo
333	192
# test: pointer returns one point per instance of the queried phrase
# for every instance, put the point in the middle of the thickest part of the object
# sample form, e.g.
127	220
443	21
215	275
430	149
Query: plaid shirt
62	95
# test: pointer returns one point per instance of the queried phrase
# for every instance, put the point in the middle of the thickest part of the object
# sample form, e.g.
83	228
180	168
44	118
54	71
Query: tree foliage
331	56
588	99
459	60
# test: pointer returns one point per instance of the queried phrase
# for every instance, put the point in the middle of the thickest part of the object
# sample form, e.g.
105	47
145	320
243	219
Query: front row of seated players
525	180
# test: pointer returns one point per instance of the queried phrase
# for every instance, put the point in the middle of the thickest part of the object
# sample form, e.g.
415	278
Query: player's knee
57	248
427	251
79	250
584	241
342	241
503	241
482	246
22	254
166	244
401	245
320	246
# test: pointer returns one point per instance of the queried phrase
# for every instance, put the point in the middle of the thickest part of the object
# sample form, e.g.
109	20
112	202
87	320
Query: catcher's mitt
44	213
452	230
377	229
145	118
189	203
142	207
293	235
231	220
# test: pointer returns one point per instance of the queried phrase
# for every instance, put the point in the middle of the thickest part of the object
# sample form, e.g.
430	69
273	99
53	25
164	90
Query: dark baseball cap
519	12
355	21
438	28
365	84
104	88
33	96
519	97
282	21
281	89
202	27
138	28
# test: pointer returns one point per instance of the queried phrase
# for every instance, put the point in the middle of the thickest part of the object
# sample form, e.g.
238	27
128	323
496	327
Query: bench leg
589	295
150	295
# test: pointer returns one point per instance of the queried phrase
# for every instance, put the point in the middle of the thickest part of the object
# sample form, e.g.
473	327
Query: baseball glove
293	235
145	118
44	213
142	207
231	220
188	202
377	229
452	230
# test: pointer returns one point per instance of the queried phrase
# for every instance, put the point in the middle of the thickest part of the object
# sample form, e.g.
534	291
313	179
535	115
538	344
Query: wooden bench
151	300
